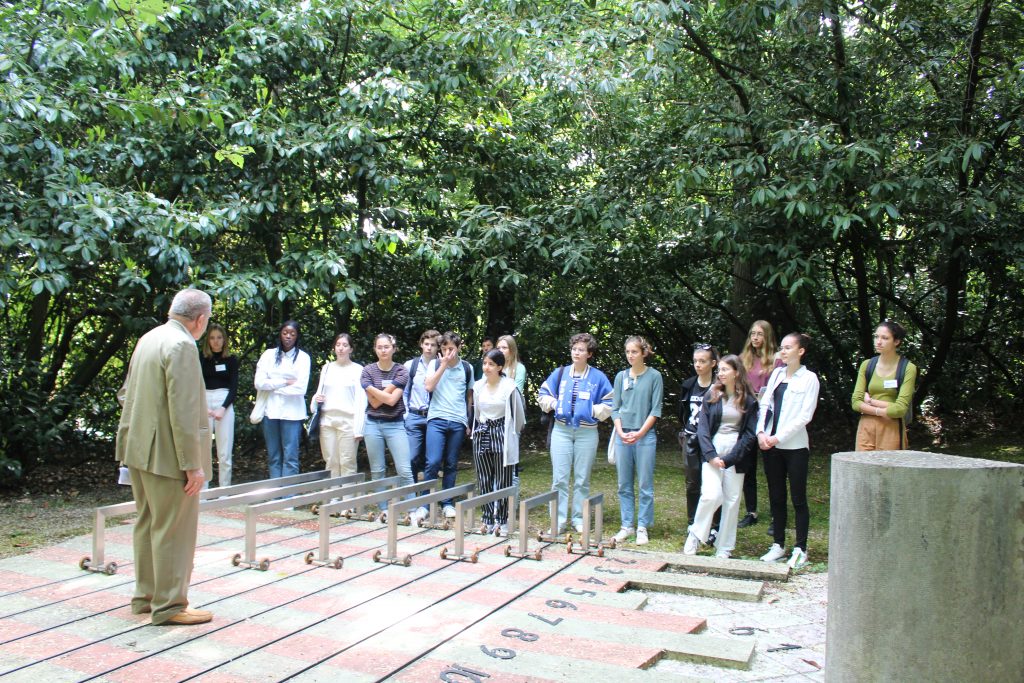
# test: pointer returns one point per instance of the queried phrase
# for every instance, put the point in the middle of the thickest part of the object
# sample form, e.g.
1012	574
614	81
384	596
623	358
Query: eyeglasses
699	346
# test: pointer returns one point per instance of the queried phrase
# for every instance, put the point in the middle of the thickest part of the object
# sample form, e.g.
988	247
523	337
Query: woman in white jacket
499	414
284	372
787	406
343	405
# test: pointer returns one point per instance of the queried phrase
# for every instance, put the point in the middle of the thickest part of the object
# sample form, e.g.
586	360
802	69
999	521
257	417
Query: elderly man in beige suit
164	441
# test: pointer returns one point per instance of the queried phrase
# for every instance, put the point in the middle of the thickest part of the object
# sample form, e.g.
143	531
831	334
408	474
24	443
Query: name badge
584	395
221	367
889	384
386	383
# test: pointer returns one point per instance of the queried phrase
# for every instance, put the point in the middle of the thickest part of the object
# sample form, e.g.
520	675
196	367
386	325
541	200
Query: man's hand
218	413
194	482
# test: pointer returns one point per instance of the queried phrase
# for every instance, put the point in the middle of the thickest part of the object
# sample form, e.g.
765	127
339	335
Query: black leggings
779	465
750	487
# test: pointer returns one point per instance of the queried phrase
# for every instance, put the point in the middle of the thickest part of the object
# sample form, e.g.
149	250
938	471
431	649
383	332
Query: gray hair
191	303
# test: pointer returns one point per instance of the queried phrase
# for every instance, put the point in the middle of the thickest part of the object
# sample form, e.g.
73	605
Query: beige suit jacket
164	426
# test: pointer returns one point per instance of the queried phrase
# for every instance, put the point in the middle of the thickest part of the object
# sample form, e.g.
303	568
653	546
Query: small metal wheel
407	560
309	558
264	564
537	555
475	556
237	559
540	538
600	550
110	569
84	562
376	556
338	563
314	509
508	551
347	514
444	553
568	547
446	526
611	543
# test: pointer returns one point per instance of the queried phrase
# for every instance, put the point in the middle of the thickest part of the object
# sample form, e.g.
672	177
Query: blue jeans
444	439
572	449
638	459
377	433
282	437
416	428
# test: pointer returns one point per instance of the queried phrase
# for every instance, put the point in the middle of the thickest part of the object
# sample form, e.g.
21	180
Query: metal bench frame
397	507
209	499
551	498
465	508
315	492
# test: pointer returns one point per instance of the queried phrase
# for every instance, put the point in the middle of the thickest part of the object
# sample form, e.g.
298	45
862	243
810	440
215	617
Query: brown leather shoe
189	617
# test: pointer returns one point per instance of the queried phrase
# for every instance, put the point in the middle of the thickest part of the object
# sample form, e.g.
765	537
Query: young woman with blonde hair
760	357
514	368
220	373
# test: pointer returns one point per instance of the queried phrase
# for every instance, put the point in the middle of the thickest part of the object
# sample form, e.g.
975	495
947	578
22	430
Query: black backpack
901	371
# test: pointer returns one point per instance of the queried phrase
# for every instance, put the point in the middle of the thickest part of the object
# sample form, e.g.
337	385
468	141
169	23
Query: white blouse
286	401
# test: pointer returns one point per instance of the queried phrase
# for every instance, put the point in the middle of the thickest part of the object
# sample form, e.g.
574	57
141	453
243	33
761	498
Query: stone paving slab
695	585
740	569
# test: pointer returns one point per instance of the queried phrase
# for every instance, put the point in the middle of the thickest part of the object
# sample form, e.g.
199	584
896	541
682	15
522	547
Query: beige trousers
164	544
880	434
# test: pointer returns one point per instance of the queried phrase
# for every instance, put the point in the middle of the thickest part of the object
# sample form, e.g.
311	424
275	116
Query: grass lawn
669	530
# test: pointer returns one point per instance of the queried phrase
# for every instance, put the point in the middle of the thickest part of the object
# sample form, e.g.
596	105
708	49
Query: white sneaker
641	536
723	554
797	559
624	534
449	511
774	554
421	512
692	545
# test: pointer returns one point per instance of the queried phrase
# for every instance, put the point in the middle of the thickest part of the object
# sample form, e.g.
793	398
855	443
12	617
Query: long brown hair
742	384
768	348
225	351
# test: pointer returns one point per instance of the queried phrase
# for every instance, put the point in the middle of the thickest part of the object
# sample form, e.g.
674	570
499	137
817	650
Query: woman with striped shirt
499	413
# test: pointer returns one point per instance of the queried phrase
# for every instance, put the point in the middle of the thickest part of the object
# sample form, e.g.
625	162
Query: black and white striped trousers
488	444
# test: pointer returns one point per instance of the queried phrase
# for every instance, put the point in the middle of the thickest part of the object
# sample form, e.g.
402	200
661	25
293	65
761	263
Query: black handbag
313	424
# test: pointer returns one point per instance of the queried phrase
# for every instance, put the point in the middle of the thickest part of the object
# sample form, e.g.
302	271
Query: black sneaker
771	528
749	520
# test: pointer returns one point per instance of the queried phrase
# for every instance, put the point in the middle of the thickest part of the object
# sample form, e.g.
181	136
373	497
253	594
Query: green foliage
670	168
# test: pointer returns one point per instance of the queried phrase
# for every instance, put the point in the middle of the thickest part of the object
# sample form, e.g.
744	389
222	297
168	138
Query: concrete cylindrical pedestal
926	568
